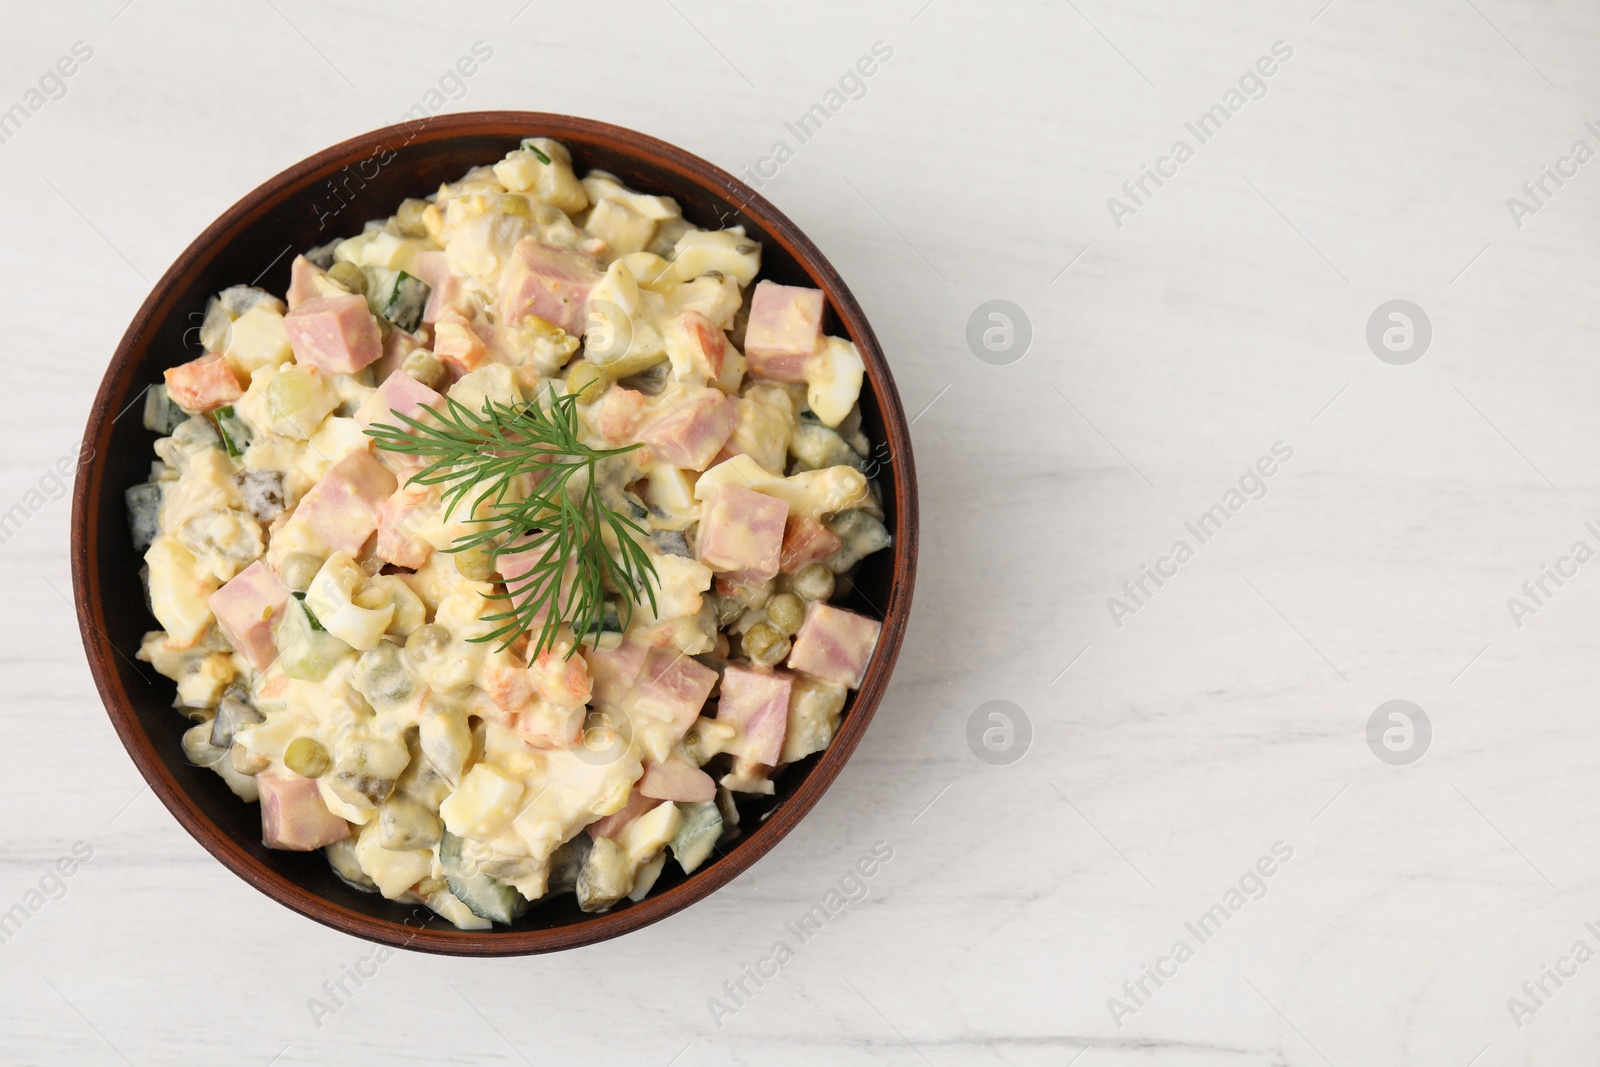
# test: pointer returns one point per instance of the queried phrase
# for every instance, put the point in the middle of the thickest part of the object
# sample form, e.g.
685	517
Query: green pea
729	609
785	613
298	569
588	381
348	276
408	220
813	582
425	367
307	758
474	564
764	645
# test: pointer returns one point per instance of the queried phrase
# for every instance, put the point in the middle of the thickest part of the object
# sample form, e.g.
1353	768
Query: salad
498	556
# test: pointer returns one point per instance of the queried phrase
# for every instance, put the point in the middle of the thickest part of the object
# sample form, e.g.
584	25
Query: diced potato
680	586
388	252
484	802
178	591
257	339
814	709
622	228
352	249
497	382
394	872
670	488
554	182
296	400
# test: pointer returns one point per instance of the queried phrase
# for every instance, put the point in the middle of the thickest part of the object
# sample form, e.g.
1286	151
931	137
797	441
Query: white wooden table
1229	710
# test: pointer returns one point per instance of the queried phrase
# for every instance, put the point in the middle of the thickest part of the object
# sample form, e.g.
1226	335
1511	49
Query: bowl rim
788	811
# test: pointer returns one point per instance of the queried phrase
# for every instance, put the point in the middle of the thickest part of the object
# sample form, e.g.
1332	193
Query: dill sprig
489	459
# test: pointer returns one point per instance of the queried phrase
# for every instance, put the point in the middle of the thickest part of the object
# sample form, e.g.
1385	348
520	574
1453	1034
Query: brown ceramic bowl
332	193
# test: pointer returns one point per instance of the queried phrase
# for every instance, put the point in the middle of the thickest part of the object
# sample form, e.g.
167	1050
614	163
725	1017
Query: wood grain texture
1219	319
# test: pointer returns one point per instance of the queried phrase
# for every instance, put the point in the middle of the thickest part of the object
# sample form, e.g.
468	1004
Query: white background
1228	713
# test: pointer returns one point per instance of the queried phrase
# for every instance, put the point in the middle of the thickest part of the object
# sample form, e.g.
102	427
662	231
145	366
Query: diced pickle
161	413
263	493
233	715
862	535
672	543
348	277
409	221
405	301
306	652
403	823
367	768
233	431
383	678
816	447
567	862
605	877
144	507
486	897
588	381
697	834
246	762
446	740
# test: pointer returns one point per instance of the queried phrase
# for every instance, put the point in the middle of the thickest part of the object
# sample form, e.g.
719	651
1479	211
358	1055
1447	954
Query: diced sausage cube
203	384
552	283
692	428
458	344
742	530
246	608
618	413
806	541
294	817
443	287
612	824
399	392
612	671
834	644
756	704
551	726
336	333
677	780
400	523
785	326
345	505
672	687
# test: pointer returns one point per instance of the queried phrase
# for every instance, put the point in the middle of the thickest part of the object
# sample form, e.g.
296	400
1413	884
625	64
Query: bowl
254	241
